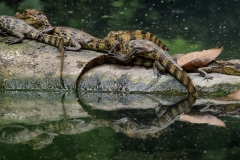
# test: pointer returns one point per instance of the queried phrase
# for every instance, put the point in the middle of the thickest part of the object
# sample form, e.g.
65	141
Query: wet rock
36	66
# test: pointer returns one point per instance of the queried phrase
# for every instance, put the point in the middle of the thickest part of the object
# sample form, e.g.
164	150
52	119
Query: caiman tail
139	34
150	50
125	36
181	107
57	42
102	59
177	72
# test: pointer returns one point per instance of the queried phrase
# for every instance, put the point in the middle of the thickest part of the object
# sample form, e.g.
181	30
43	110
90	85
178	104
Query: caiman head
35	18
231	67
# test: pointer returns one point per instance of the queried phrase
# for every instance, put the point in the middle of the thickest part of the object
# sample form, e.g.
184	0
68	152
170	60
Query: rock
36	66
35	107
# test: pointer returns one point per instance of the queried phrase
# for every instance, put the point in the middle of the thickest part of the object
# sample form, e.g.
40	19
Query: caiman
79	38
21	29
230	67
148	50
124	36
82	39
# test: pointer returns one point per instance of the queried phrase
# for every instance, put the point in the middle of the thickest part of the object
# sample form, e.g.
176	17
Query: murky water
55	125
110	126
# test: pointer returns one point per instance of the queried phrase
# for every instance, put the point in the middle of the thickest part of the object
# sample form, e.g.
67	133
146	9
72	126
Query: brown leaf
235	95
202	117
195	60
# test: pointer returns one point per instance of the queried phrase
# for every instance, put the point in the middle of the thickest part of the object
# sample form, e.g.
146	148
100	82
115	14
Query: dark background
184	25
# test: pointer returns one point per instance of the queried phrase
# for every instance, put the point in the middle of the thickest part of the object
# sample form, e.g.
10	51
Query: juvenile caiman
79	38
82	39
21	29
123	36
230	67
149	50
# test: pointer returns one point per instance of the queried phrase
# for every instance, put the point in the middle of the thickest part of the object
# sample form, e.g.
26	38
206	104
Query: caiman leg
158	69
177	72
3	33
76	45
204	74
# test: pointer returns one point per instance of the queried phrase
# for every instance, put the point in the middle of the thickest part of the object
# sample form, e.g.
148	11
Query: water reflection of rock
141	125
43	116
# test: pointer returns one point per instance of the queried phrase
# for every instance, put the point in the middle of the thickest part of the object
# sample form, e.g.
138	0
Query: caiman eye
238	66
39	13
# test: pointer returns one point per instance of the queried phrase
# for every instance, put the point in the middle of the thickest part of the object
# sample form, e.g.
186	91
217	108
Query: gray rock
36	66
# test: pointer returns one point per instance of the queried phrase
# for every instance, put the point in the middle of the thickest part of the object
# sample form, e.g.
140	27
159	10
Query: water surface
40	125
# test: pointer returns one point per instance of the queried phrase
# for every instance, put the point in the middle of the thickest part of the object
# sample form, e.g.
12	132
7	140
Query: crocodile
230	67
21	29
82	39
79	38
114	37
150	50
112	59
124	53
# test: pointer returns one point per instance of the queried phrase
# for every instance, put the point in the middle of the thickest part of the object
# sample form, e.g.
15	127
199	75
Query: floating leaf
195	60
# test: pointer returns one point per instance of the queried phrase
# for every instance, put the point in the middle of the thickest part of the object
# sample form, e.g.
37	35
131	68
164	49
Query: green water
183	25
185	142
47	125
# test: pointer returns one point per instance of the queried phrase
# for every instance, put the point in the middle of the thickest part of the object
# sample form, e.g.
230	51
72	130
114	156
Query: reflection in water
140	126
119	129
155	125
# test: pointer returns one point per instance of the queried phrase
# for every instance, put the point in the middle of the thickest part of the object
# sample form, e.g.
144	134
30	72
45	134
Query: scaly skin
21	29
82	39
123	36
230	67
112	59
79	38
149	50
145	49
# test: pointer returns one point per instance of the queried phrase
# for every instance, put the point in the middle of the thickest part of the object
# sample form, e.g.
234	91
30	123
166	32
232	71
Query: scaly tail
181	107
179	73
125	36
102	44
100	60
151	37
57	42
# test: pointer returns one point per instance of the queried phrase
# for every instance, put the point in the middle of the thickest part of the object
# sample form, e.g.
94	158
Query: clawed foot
119	56
207	77
158	73
71	48
3	33
40	34
12	41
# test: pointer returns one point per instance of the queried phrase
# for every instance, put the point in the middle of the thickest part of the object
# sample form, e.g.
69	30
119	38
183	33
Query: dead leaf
202	117
235	95
194	60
